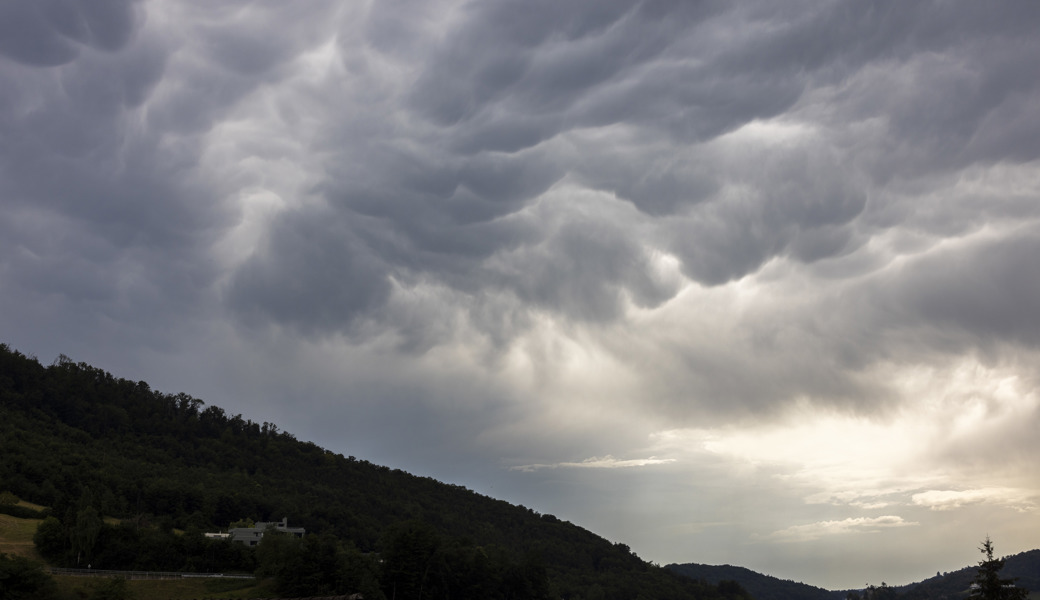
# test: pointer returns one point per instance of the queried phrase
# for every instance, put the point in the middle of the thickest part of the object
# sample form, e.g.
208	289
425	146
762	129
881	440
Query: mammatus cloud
607	171
852	525
47	34
602	462
782	248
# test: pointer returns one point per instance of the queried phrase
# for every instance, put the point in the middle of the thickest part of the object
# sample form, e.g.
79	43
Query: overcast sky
753	283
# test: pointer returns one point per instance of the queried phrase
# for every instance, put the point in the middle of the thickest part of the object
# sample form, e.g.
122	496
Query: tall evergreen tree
988	585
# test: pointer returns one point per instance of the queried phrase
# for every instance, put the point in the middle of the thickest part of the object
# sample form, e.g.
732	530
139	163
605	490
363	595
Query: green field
171	589
16	536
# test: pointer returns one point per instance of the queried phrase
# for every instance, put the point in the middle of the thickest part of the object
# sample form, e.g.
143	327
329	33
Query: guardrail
143	574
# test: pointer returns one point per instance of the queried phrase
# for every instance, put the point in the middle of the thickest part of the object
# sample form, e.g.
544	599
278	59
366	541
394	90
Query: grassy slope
170	589
16	534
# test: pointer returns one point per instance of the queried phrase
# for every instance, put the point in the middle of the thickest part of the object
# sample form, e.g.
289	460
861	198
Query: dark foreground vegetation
1007	578
133	477
762	587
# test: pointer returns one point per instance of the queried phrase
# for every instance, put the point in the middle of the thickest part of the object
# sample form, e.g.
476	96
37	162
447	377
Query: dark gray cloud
448	145
637	101
501	100
336	277
507	91
52	32
976	297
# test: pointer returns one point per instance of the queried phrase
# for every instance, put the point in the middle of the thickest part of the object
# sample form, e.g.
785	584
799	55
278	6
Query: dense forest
133	477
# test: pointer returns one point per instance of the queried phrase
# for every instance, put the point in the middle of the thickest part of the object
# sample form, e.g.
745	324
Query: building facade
251	536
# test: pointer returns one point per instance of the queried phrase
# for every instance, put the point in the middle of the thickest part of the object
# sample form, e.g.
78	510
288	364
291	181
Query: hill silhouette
954	585
762	587
1025	567
90	445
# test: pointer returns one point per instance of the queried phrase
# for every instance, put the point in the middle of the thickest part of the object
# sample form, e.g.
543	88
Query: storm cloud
512	244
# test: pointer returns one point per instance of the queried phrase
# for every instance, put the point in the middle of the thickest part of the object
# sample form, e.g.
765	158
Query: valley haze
750	283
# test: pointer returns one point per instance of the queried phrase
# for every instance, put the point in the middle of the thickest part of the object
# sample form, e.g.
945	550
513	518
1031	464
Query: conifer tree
988	585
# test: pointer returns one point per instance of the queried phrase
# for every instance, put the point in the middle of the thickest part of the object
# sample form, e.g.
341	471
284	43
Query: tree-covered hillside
762	587
1024	568
90	445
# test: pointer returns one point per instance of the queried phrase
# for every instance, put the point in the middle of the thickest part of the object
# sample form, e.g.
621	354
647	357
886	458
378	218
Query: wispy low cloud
865	499
598	462
814	531
1016	498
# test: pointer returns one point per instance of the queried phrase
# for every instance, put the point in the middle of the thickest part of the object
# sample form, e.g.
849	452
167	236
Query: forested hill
762	587
1024	568
87	444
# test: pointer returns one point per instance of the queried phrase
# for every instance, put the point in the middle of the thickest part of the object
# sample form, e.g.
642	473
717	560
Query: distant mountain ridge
762	587
1025	566
953	585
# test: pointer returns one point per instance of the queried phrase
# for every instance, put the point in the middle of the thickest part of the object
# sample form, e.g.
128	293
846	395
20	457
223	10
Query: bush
22	578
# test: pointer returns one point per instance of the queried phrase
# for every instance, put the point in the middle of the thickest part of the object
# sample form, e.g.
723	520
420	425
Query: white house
250	536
